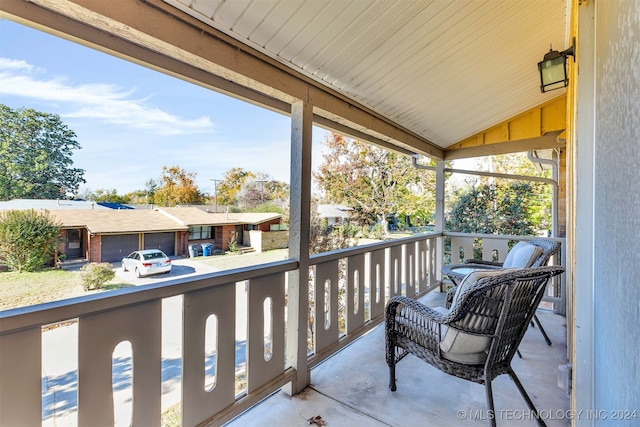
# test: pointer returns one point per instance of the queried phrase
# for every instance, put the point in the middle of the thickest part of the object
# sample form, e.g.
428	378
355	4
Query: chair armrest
449	298
457	276
409	318
482	262
405	307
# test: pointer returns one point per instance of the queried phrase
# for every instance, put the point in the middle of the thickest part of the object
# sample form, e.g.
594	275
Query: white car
147	262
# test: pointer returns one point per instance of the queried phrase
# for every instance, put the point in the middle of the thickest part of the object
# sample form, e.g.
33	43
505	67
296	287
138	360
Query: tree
27	239
324	238
177	188
227	190
109	195
35	156
374	182
262	194
146	196
498	208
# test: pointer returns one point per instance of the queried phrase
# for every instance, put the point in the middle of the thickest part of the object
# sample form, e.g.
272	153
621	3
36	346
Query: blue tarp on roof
114	205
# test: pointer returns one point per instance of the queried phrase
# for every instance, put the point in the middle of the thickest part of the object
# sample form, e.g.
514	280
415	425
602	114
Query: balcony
236	324
351	388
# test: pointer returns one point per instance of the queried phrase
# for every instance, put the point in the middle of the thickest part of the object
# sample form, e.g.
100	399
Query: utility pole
261	190
215	192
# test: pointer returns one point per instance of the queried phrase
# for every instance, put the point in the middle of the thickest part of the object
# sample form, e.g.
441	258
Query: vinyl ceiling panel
443	69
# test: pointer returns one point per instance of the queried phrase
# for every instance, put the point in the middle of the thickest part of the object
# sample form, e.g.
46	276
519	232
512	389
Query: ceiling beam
547	141
535	129
355	134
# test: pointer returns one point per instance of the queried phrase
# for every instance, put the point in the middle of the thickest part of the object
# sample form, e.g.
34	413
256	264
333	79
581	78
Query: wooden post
300	202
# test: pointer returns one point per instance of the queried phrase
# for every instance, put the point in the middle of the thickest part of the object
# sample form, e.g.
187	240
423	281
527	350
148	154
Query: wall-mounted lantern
553	69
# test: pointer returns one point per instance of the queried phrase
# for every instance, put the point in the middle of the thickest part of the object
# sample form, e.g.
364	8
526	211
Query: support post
300	206
439	217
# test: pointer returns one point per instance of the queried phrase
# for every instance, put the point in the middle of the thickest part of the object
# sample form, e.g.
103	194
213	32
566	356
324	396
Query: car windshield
154	255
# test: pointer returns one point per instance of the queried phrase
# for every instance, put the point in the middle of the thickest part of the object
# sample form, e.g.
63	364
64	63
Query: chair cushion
459	346
472	278
522	255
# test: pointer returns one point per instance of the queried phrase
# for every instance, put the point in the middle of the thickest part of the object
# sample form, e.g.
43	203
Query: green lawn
24	289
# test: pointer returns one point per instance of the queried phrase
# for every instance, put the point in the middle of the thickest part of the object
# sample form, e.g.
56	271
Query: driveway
181	267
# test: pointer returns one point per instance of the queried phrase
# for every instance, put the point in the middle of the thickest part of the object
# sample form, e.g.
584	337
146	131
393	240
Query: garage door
163	241
114	248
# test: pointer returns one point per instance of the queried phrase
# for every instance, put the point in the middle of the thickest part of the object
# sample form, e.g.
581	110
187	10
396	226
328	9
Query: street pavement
180	267
60	354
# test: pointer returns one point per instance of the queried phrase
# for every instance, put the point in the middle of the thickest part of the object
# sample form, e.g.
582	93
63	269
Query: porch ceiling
444	70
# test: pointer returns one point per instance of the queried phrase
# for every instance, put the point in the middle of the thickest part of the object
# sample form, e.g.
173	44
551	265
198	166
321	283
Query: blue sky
130	121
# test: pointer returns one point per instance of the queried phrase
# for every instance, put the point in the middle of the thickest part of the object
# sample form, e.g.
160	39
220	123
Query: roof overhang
419	77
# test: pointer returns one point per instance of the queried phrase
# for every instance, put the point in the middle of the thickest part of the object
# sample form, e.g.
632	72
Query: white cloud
107	102
15	64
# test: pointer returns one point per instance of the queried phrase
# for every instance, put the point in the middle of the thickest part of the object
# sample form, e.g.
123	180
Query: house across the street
109	235
261	231
99	234
334	214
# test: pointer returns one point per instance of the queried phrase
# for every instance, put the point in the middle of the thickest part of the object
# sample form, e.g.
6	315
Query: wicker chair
478	336
548	249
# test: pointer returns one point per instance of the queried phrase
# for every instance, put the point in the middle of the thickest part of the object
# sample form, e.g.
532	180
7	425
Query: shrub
376	231
233	245
350	231
96	274
28	239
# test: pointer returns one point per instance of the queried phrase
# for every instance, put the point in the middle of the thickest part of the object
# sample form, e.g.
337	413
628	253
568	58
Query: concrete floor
351	388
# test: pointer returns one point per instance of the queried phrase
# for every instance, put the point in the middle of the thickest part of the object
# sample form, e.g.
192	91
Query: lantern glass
553	73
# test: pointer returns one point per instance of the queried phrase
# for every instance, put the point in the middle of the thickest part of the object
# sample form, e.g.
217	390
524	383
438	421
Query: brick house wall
182	248
94	248
219	240
275	240
86	245
61	239
266	240
228	231
266	226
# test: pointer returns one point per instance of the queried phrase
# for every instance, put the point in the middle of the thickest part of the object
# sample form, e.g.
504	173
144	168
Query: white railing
350	287
135	315
216	313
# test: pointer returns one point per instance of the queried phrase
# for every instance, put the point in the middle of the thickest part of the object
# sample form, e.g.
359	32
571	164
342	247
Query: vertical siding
616	210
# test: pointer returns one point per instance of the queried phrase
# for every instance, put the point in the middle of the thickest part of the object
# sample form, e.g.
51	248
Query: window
200	232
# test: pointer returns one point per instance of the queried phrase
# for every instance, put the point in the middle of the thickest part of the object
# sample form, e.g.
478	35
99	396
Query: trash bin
194	251
207	249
